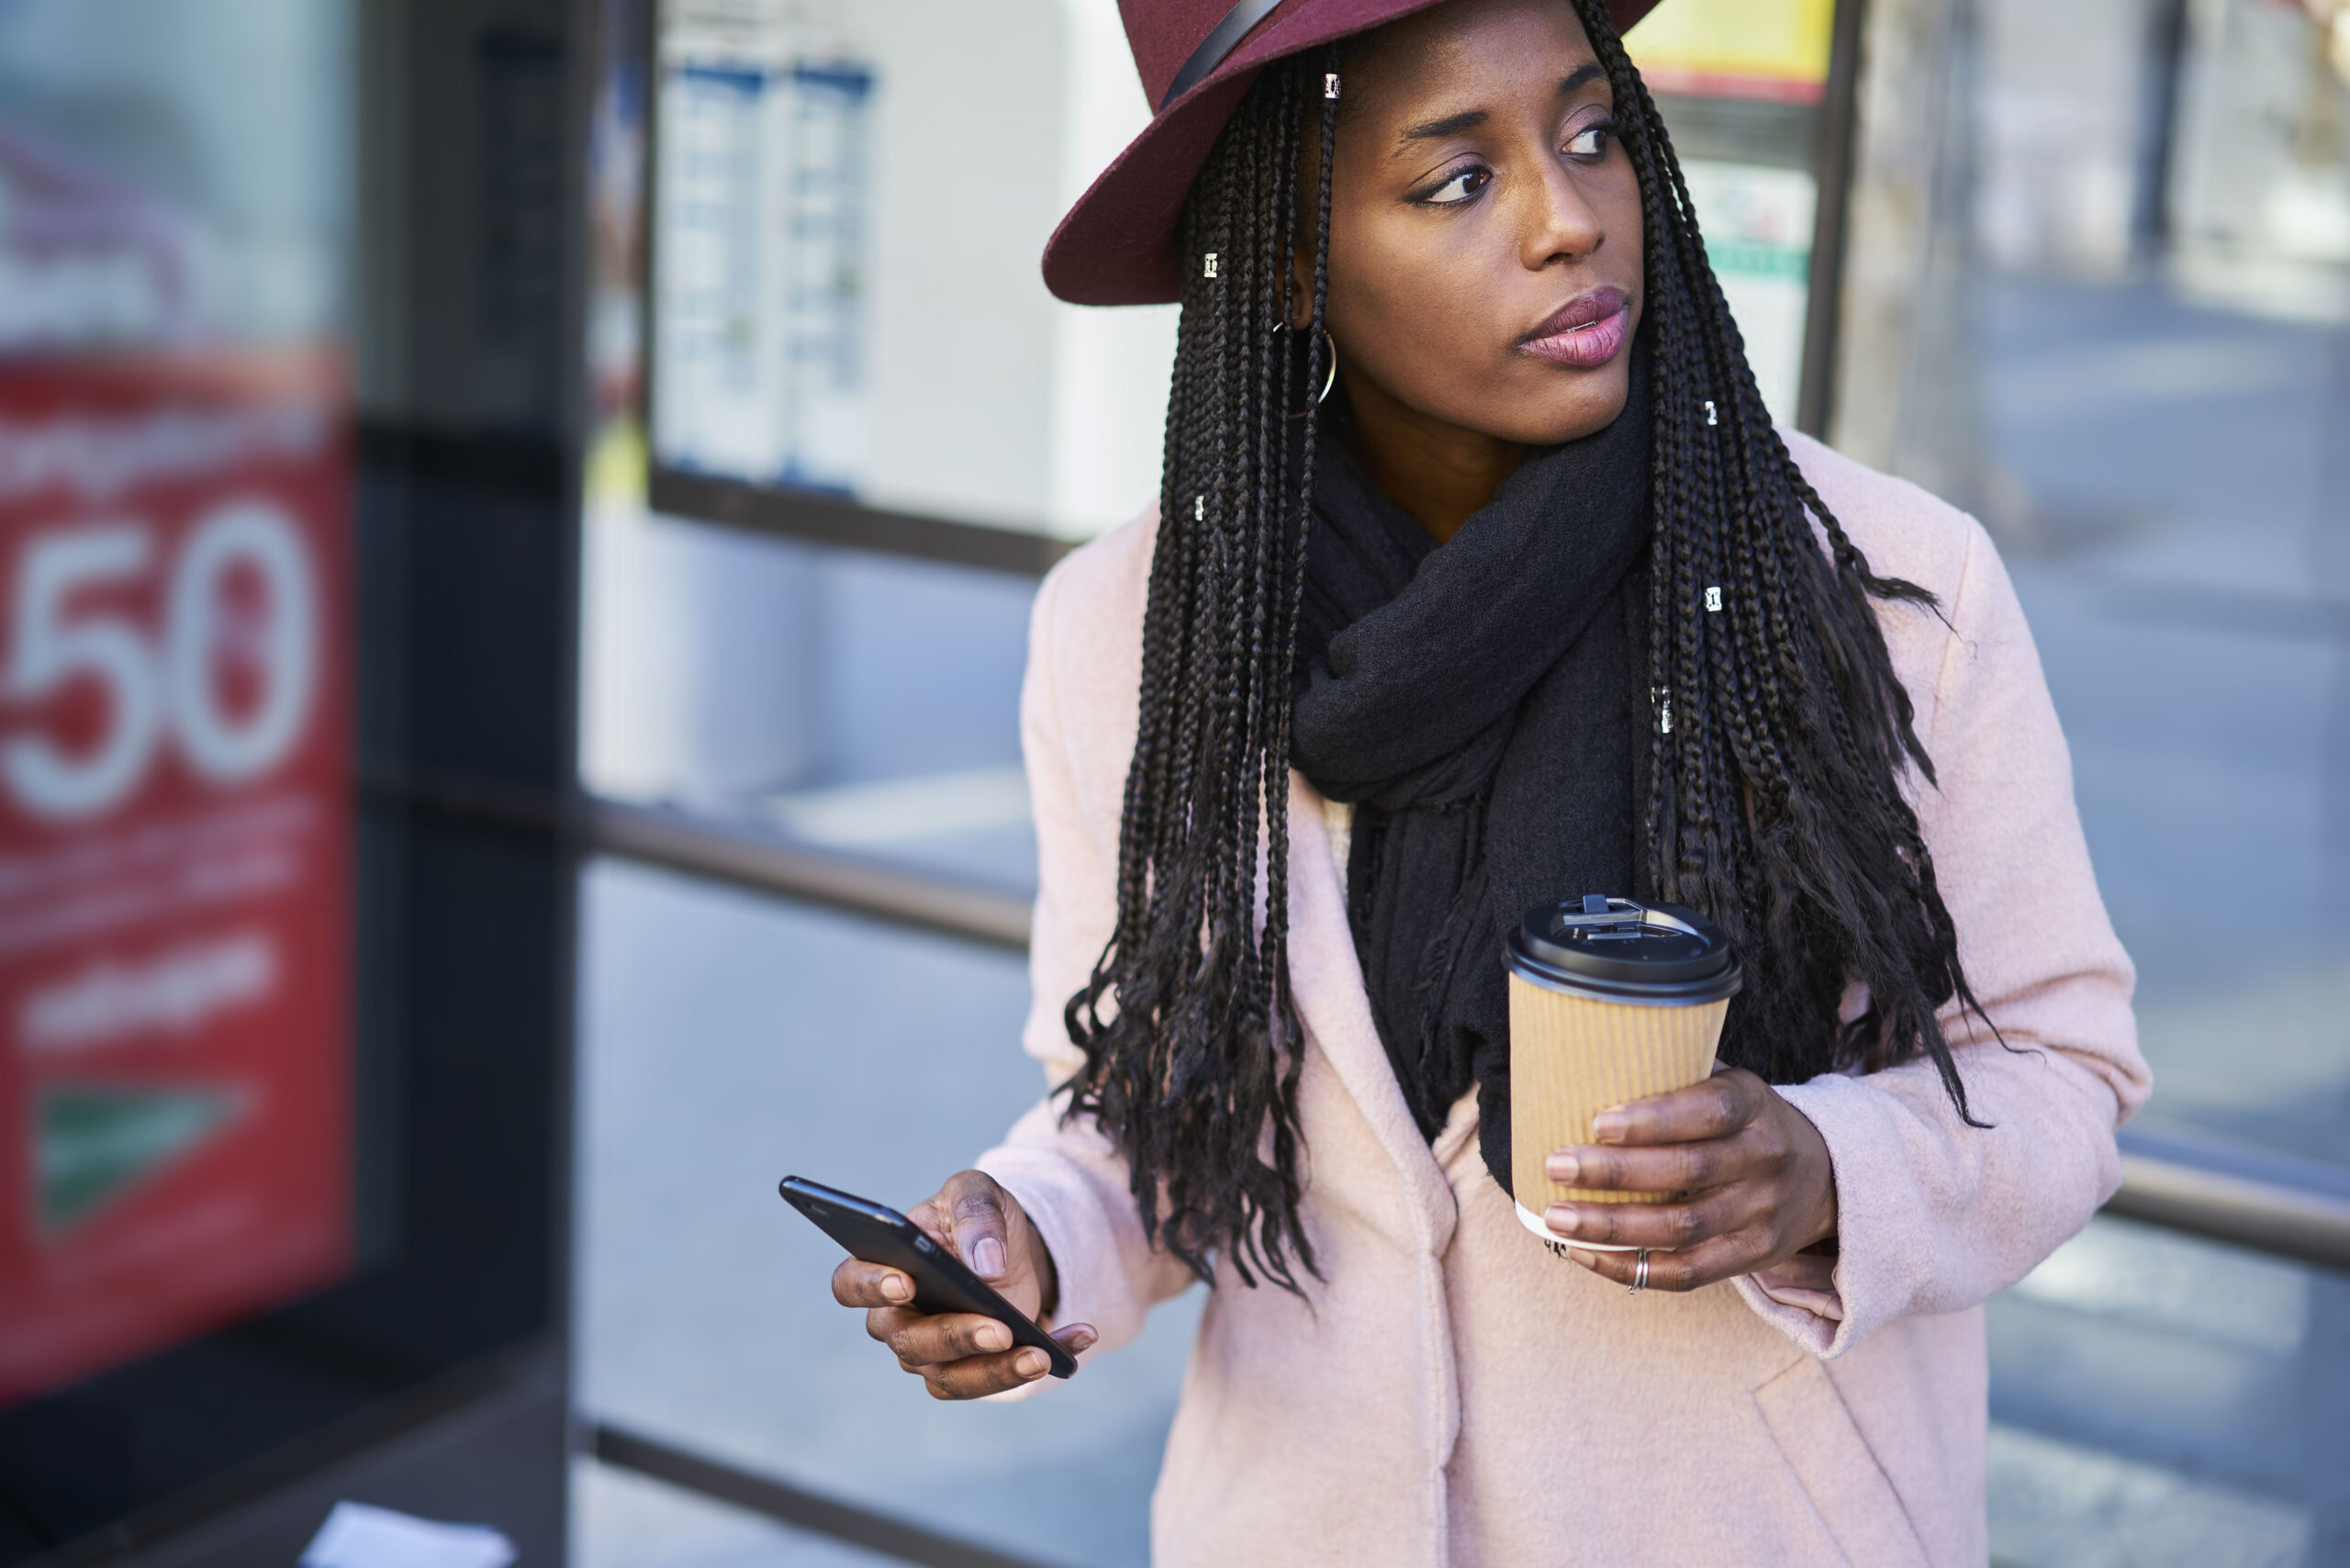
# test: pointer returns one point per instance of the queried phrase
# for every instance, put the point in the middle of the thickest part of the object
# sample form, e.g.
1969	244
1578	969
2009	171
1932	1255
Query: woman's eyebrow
1436	129
1469	119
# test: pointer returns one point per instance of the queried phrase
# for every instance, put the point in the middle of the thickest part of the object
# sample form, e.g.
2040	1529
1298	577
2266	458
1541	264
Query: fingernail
988	1257
1562	1168
1580	1256
1561	1218
993	1337
1082	1341
1608	1125
897	1287
1029	1363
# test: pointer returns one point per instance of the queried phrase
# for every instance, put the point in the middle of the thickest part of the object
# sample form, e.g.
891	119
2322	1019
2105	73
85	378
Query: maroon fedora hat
1197	59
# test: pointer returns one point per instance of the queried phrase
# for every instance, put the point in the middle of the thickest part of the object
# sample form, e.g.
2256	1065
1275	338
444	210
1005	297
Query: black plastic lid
1619	950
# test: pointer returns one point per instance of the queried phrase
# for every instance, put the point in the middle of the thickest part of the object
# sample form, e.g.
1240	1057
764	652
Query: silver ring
1640	1275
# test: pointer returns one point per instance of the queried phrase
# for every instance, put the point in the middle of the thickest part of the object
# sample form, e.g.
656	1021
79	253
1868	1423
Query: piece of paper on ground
360	1535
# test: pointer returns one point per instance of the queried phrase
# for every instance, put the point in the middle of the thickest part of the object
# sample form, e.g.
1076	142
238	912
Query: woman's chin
1562	415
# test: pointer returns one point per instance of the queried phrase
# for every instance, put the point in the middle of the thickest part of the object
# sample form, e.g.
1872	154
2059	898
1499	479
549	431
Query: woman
1533	601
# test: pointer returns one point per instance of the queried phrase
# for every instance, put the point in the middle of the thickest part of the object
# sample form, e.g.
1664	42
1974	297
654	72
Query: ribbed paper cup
1572	1057
1588	1029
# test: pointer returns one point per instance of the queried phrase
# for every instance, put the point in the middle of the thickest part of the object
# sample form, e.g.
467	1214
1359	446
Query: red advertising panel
174	851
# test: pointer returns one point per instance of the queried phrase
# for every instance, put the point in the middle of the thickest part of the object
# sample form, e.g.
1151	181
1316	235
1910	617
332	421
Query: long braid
1775	806
1188	1023
1287	1145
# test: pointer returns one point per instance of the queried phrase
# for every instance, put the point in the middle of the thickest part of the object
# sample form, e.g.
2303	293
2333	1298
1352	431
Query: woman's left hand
1754	1175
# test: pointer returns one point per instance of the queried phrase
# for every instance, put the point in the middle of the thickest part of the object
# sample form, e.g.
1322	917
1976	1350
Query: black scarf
1477	703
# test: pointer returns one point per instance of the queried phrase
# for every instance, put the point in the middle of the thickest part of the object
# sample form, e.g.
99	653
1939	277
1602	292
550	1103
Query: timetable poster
764	127
1765	61
175	843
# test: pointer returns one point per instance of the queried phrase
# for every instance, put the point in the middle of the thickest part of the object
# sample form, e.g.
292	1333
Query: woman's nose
1558	221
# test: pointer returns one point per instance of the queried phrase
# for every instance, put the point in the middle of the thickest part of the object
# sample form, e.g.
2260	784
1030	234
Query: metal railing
2264	1201
2172	1176
677	842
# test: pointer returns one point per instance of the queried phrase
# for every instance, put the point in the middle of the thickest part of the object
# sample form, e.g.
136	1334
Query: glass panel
729	1040
2177	576
810	332
175	823
866	705
852	196
2160	202
2167	377
277	1064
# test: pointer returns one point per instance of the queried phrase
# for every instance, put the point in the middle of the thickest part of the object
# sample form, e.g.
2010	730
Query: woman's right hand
962	1355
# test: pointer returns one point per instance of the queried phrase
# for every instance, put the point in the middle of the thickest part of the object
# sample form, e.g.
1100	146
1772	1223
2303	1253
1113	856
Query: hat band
1222	39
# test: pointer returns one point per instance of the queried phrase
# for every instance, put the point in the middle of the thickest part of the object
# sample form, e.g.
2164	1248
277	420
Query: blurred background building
518	518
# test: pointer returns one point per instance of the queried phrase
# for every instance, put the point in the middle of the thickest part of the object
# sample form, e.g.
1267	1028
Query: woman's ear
1302	234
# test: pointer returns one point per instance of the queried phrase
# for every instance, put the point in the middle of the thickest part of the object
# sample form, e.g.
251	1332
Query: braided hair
1774	806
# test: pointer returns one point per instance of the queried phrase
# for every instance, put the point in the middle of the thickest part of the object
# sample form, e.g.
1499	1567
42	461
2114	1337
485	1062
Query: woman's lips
1587	332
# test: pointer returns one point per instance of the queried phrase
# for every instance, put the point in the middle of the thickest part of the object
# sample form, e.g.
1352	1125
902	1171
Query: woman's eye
1461	187
1591	141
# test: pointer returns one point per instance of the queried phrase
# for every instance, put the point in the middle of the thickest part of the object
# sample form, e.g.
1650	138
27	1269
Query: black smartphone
879	1234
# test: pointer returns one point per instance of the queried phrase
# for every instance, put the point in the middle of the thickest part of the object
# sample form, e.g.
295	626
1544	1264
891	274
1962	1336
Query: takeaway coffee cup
1609	1001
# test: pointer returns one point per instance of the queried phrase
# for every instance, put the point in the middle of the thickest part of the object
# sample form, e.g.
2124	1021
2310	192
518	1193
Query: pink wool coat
1457	1394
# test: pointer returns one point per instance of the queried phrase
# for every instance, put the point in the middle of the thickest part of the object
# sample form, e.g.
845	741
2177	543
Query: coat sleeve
1072	1183
1934	1215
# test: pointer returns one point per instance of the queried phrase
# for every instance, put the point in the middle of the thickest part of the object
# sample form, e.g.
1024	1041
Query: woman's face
1486	225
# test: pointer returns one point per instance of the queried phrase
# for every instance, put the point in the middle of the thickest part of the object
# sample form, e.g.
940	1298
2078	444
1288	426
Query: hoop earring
1330	345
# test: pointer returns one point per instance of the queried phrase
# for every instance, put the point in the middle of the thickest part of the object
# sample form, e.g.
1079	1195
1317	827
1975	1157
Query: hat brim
1116	246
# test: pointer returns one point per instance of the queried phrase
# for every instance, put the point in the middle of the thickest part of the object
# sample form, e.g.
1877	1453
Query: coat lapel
1335	1010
